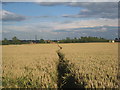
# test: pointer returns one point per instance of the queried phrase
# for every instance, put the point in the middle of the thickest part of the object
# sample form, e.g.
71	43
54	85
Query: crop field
30	66
79	65
95	65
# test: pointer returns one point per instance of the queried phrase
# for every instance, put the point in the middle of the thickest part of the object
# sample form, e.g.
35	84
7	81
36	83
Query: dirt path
66	79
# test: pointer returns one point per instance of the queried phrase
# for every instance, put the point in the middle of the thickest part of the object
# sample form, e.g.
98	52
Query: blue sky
33	9
59	20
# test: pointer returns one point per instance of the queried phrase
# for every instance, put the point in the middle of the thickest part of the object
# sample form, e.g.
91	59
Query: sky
58	20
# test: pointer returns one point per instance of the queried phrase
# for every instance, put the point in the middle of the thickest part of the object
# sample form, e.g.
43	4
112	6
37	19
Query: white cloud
53	30
95	10
90	9
51	26
9	16
87	23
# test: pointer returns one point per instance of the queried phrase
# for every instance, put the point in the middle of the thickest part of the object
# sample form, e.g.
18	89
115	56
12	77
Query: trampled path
66	79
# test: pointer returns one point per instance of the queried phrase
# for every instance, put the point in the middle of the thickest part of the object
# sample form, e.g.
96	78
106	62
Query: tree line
83	40
15	40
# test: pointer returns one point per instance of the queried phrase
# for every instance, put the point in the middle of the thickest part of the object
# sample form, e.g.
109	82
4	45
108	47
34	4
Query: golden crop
93	65
30	66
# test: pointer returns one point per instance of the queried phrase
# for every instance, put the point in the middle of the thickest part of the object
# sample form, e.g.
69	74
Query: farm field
95	64
30	66
86	65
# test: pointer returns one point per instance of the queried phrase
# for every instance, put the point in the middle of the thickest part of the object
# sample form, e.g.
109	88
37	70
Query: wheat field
93	65
30	66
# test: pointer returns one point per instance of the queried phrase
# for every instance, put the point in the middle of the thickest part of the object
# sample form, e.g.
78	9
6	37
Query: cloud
105	25
89	9
89	29
9	16
86	23
95	10
66	27
50	3
48	33
52	30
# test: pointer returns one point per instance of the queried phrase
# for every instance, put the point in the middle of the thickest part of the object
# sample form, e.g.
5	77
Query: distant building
112	41
47	41
31	42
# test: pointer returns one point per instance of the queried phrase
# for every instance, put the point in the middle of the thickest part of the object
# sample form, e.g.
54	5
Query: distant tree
5	41
42	41
75	40
116	39
15	40
68	40
83	39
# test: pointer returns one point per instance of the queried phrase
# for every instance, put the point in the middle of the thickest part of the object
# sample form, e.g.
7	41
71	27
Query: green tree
5	41
68	40
42	41
15	40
